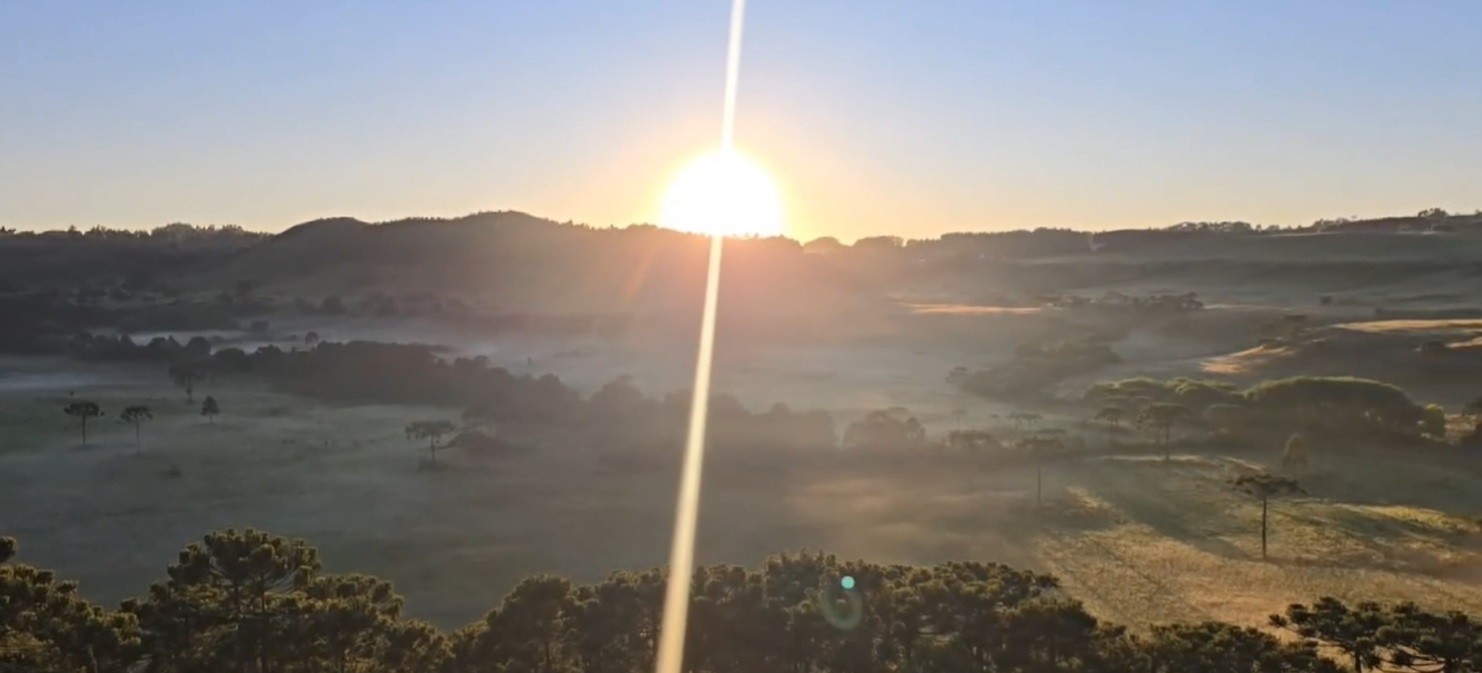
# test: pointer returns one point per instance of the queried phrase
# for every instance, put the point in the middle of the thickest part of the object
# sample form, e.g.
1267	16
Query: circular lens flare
723	193
843	607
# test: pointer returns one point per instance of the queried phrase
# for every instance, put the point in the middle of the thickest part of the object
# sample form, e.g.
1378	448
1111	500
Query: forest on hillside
142	256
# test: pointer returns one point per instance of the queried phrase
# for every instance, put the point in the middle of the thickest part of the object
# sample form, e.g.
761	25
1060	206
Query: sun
723	193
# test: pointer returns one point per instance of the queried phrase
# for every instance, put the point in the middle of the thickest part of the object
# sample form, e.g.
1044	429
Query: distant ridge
329	226
513	261
1420	223
351	225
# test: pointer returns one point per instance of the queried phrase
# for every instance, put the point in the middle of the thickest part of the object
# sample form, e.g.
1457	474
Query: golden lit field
1142	541
1243	362
967	309
1452	327
1184	546
1457	334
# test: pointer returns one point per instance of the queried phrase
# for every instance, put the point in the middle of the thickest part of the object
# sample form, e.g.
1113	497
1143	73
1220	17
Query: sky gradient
874	117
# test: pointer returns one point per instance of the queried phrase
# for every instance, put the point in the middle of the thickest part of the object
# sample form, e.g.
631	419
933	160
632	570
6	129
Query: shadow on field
1157	494
1066	509
1385	542
1370	478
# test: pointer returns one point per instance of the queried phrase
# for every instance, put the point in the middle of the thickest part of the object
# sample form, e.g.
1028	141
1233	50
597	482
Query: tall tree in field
136	415
1160	418
185	375
1041	448
1113	416
1265	485
82	410
432	431
209	409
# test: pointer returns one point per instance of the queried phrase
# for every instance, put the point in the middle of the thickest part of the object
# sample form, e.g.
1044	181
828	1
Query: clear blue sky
875	117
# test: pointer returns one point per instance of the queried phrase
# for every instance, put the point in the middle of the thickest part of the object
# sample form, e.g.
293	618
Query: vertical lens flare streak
733	74
687	507
687	510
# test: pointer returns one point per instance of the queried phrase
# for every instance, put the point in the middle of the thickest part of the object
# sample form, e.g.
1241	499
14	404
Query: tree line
1323	408
135	414
1036	366
250	601
50	284
386	373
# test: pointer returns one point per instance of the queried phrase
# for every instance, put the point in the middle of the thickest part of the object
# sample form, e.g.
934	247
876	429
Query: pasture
1140	540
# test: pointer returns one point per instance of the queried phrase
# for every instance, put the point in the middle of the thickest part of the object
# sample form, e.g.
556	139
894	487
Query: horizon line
16	230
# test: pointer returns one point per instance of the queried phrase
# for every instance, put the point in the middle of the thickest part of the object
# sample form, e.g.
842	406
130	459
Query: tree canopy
1323	406
1337	402
135	415
431	430
246	600
83	410
210	408
1160	418
1264	486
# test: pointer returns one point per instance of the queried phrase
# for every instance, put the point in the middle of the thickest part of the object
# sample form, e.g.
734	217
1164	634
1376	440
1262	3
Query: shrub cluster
1322	406
1035	366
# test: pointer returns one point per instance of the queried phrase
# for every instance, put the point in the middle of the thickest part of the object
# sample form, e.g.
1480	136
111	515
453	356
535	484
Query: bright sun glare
723	193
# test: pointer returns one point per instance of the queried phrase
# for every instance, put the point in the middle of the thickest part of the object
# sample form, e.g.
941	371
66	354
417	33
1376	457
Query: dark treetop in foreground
251	601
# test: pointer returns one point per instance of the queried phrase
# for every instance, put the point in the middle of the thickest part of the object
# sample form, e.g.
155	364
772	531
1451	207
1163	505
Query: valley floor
1140	540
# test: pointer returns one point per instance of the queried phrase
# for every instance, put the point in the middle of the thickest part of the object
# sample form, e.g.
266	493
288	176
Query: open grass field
1139	540
1183	545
